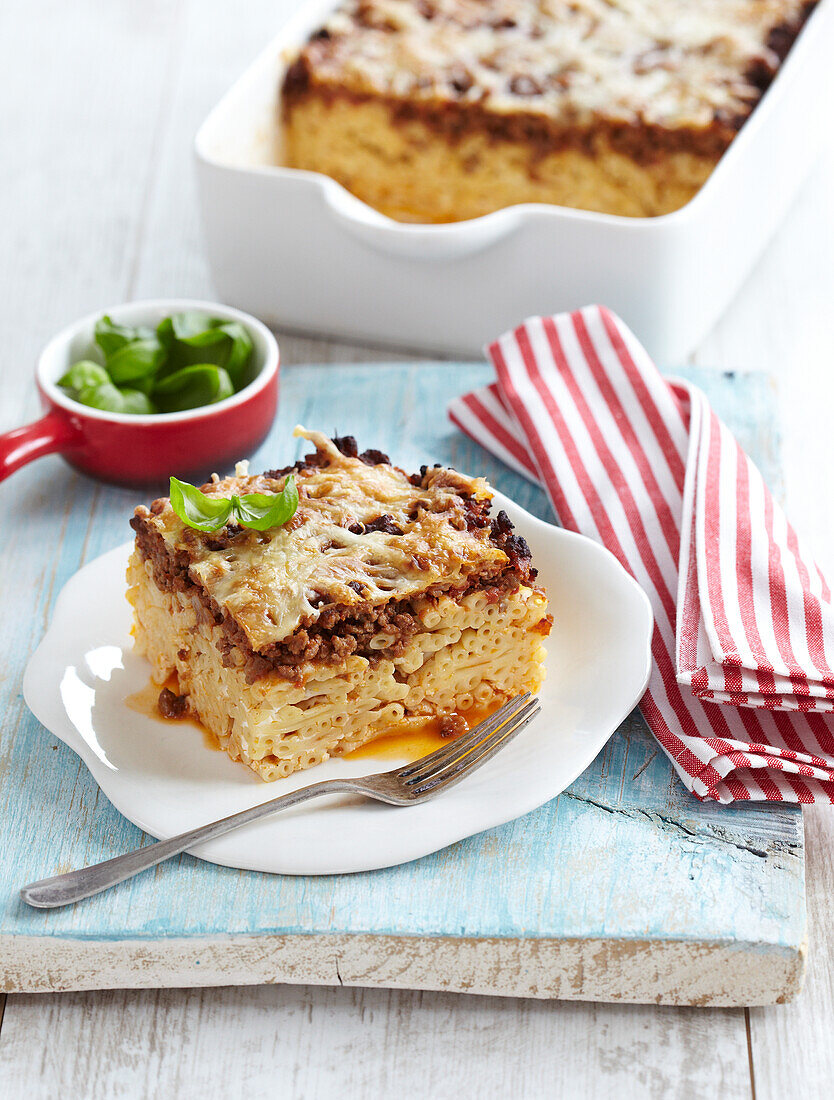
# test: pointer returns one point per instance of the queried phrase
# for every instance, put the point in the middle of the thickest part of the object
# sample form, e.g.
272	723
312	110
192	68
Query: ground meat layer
453	115
337	631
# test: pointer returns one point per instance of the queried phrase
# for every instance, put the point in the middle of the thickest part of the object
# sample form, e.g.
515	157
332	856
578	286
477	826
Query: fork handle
51	893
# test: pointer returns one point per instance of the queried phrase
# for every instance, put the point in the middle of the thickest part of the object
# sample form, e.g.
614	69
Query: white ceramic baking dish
296	249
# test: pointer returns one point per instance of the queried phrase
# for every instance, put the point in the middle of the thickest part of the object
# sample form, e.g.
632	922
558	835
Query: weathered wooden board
623	888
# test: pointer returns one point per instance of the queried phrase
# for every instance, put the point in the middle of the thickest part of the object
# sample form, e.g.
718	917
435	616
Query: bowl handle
53	432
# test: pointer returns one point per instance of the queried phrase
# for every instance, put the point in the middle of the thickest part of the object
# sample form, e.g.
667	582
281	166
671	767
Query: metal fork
416	782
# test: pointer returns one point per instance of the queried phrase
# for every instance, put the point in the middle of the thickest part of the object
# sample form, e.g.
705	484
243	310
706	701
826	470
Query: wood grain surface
101	103
625	887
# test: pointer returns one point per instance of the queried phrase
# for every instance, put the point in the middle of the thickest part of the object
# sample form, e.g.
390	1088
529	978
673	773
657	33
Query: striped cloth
743	615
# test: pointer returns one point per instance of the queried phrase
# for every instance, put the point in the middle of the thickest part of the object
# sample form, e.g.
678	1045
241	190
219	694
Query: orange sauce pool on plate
413	744
145	702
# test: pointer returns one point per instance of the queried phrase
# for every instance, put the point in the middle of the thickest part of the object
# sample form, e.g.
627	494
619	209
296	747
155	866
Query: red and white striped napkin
743	615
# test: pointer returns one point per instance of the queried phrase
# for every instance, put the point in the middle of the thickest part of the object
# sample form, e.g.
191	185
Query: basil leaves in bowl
187	361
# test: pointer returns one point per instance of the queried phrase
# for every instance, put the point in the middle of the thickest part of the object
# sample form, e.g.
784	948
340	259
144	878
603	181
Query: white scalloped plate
162	777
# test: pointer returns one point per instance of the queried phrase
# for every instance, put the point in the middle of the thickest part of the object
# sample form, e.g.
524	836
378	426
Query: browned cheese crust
333	631
607	105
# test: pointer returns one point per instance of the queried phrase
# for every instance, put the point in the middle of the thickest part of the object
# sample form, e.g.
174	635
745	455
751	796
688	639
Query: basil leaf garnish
192	387
260	511
202	512
263	511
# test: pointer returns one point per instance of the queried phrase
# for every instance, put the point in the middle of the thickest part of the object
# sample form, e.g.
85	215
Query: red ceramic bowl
146	450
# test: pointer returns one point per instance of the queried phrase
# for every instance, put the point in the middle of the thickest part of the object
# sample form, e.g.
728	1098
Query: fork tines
453	762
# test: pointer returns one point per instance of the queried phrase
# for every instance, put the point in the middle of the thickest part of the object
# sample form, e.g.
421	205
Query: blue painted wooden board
626	855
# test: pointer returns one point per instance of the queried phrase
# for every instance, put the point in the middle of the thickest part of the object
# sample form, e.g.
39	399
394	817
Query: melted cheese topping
664	62
271	582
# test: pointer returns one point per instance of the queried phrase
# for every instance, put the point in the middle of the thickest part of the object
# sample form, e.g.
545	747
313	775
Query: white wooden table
100	102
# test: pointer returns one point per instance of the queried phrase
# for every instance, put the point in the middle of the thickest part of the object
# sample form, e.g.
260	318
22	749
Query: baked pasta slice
387	600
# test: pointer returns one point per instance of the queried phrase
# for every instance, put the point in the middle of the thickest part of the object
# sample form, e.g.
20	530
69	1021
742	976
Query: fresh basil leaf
190	329
225	389
191	359
195	338
240	352
105	396
262	511
196	509
110	336
110	398
137	359
191	387
83	374
165	332
145	385
196	329
181	354
137	402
